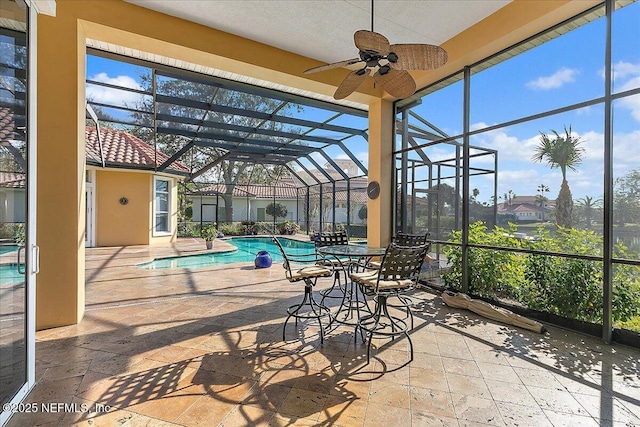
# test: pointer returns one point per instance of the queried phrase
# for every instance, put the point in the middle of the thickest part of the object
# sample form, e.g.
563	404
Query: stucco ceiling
323	29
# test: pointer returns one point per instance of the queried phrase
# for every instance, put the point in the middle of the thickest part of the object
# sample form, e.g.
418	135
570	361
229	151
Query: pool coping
212	251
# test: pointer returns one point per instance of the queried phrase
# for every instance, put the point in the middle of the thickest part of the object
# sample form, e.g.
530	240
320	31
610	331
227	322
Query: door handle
35	252
20	270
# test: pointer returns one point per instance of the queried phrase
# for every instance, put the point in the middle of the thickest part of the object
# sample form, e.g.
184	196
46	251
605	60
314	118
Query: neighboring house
357	196
250	201
526	208
12	197
128	202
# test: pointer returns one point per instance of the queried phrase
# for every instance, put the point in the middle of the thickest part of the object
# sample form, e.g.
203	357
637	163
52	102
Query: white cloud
108	95
626	155
622	70
507	178
632	103
554	81
631	72
508	147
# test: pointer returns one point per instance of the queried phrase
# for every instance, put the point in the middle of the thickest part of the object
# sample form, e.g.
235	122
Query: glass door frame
32	250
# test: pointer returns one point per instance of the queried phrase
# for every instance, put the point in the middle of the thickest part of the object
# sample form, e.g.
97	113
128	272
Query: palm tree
561	152
542	198
589	204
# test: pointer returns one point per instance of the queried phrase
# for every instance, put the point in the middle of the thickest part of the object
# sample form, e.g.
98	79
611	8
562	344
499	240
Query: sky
563	71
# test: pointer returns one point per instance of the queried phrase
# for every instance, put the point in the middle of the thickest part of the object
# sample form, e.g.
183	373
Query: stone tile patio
204	347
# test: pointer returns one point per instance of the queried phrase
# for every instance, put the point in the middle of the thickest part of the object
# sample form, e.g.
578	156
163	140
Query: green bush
188	229
231	229
277	210
564	286
10	230
494	273
288	227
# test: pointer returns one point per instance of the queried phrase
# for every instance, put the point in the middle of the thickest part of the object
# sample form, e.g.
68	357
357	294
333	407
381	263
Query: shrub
288	227
231	229
362	213
276	210
188	229
495	273
564	286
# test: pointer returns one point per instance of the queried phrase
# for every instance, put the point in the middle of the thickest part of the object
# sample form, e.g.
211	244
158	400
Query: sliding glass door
16	300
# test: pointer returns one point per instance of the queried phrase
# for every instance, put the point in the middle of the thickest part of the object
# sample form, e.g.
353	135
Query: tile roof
282	191
121	149
11	180
6	124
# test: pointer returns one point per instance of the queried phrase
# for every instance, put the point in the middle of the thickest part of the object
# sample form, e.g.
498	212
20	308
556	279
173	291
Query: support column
61	170
379	215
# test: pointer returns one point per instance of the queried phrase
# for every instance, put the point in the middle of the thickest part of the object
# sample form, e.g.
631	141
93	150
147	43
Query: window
161	205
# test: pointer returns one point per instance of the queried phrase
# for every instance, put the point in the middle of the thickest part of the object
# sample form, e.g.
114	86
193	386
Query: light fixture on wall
124	201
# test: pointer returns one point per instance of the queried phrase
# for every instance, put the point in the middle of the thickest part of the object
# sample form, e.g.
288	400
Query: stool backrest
331	239
285	259
402	262
405	239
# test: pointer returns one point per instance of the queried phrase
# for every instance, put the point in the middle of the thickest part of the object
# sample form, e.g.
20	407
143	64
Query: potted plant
209	232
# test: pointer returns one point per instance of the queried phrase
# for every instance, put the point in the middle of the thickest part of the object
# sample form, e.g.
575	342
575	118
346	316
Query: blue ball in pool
263	260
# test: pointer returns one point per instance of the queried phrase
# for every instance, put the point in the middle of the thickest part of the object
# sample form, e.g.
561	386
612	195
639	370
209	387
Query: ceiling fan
387	62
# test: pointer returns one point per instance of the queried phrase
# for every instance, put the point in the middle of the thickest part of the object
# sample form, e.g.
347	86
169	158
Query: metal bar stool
398	273
309	275
409	240
339	265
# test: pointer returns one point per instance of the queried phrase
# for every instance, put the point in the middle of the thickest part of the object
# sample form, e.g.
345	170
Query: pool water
7	248
9	274
248	247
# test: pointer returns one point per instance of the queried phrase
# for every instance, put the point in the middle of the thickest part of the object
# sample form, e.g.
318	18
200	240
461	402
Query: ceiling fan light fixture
392	74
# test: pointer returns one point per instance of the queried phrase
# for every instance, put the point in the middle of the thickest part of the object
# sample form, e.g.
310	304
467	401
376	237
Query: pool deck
204	347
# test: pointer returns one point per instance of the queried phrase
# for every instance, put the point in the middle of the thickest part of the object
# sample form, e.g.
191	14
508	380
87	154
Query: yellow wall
60	108
130	224
381	120
60	164
121	225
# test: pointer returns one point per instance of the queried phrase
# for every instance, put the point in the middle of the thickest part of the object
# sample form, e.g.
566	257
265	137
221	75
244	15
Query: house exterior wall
117	224
240	208
12	205
132	223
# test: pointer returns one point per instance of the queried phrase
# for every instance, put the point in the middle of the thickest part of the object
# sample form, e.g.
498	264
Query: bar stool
309	275
399	271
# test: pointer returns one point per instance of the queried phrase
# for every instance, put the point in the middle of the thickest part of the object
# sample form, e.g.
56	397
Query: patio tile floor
204	347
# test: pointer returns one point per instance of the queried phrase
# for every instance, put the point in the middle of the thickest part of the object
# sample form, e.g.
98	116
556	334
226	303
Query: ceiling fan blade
370	41
350	84
397	83
333	65
418	56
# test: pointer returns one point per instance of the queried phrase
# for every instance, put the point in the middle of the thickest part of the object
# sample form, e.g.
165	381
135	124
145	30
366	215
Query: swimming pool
9	274
8	248
248	247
